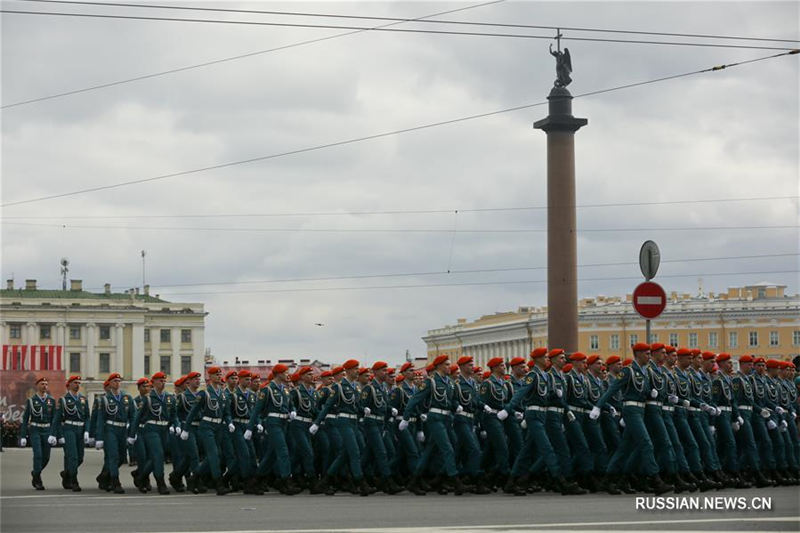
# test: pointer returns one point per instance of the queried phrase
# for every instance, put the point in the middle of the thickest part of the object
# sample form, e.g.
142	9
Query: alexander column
562	243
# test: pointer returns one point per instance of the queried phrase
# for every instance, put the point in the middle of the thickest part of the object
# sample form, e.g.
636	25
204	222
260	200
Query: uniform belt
374	417
212	420
160	422
728	409
73	422
668	408
466	415
118	424
195	423
242	420
304	419
39	425
278	415
653	402
439	411
555	410
633	404
399	418
535	408
348	415
578	409
331	417
745	407
693	409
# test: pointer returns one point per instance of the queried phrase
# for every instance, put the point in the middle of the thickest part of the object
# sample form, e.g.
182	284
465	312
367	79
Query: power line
397	19
484	283
375	136
392	30
230	58
403	211
453	272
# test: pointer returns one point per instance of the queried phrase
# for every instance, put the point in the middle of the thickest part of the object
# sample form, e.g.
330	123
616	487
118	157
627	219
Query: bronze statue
563	67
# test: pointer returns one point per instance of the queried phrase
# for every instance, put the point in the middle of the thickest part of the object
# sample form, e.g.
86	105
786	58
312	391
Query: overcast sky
722	135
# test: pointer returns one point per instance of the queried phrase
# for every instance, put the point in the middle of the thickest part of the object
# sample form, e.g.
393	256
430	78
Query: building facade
99	333
756	319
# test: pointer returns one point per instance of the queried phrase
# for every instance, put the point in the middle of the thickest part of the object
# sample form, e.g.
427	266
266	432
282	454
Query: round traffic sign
649	299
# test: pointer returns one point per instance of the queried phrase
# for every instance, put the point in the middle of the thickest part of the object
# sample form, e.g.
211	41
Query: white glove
231	428
780	410
717	411
367	411
61	441
794	415
459	409
523	424
394	411
23	442
686	403
765	413
248	434
612	410
51	440
672	399
654	393
519	416
420	436
91	442
423	417
292	415
487	409
172	430
177	430
313	429
98	445
771	424
86	437
502	415
184	435
570	416
559	393
594	414
483	435
713	429
622	422
784	425
705	407
403	425
735	426
259	428
131	440
740	420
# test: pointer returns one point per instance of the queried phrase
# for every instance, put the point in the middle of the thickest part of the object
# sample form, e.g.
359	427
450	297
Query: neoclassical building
756	319
96	333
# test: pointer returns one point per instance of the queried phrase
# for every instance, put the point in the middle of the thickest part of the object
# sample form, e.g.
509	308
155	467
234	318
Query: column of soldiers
666	420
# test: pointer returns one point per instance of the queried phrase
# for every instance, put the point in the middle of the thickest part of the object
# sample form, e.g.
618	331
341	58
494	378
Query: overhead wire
376	136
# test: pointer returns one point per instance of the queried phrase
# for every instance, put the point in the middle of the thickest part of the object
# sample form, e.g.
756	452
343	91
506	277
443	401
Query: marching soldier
745	438
406	445
495	395
304	401
137	445
190	456
376	409
468	408
71	425
578	404
37	420
610	418
557	409
115	414
728	421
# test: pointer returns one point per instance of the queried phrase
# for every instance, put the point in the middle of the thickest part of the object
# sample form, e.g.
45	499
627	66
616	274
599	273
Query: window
753	338
146	335
614	343
186	335
15	332
105	333
796	337
712	339
733	339
673	339
44	332
653	337
74	362
692	340
186	364
105	363
165	335
773	338
146	365
634	339
594	342
75	333
165	364
762	292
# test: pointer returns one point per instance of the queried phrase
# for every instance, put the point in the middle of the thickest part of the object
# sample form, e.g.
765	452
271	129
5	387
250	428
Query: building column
175	341
119	344
198	349
155	356
137	351
61	338
3	333
91	341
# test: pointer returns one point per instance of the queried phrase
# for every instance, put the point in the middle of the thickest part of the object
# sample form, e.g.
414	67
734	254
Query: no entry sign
649	299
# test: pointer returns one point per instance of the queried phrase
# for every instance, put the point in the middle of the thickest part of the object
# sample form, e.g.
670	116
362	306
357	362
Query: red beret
230	373
440	359
453	369
723	357
363	370
142	381
400	378
255	376
613	359
73	378
304	370
592	359
707	356
350	363
538	352
180	381
407	366
555	353
670	348
192	374
391	371
567	367
627	362
429	368
244	374
516	361
773	363
326	374
657	346
487	375
158	375
464	359
786	365
214	370
684	351
759	360
113	375
477	369
279	368
494	361
337	370
577	356
695	352
746	359
41	378
641	347
378	365
294	377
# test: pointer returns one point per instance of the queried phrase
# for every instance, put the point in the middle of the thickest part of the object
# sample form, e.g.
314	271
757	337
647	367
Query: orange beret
487	375
180	381
142	381
294	377
440	359
158	375
670	348
453	369
695	352
192	374
429	368
538	352
516	361
786	365
254	376
304	370
723	357
244	374
214	370
337	370
400	378
363	370
326	374
230	373
759	360
494	361
350	363
613	359
73	378
592	359
567	368
477	369
41	378
577	356
280	368
627	362
657	346
708	356
378	365
407	366
641	347
684	351
464	359
113	375
746	359
555	353
391	371
773	363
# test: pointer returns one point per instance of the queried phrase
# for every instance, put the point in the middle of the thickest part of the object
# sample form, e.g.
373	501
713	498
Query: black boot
103	480
315	486
686	483
162	486
516	486
390	487
74	483
458	486
65	480
658	486
610	486
479	486
116	486
363	488
222	489
568	488
703	483
290	488
414	486
36	481
176	482
251	487
760	479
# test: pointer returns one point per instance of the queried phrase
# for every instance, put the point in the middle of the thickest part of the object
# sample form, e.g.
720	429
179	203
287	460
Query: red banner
35	357
16	386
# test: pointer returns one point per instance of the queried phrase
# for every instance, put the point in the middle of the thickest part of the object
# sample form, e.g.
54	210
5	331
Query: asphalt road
23	509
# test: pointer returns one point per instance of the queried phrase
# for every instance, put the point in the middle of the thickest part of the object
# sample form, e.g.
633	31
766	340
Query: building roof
46	294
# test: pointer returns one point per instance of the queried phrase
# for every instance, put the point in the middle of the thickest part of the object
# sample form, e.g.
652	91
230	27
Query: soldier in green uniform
37	420
636	387
139	450
517	371
407	450
790	405
156	414
778	405
376	409
71	423
557	411
702	375
728	420
248	465
469	406
592	429
103	478
495	395
577	394
745	437
190	456
325	440
609	418
179	461
235	449
762	424
304	401
115	414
